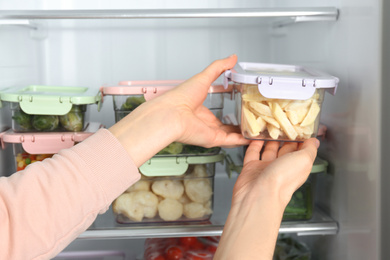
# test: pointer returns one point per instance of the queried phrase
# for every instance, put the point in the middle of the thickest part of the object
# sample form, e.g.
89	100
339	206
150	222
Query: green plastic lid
175	165
50	100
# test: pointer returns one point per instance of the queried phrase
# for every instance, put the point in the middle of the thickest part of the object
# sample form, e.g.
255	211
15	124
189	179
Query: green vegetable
193	149
173	148
73	121
132	103
300	205
45	122
23	119
289	249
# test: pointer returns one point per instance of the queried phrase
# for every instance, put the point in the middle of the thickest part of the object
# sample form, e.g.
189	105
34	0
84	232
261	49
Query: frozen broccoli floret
132	103
23	119
45	122
73	121
173	148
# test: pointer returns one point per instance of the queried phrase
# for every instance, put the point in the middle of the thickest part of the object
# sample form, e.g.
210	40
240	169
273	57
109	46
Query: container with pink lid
31	147
128	95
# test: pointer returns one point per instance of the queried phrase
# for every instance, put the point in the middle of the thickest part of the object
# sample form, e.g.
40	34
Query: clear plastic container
184	197
128	95
38	108
186	248
279	102
31	147
301	205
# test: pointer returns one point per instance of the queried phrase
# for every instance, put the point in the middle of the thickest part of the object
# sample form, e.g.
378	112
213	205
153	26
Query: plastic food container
38	108
128	95
31	147
289	248
279	102
301	205
186	248
181	198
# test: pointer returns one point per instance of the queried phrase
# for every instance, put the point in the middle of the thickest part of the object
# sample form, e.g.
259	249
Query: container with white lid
31	147
279	102
39	108
128	95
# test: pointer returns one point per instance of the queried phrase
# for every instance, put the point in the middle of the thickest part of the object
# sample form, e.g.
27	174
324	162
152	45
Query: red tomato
188	241
197	245
174	253
211	248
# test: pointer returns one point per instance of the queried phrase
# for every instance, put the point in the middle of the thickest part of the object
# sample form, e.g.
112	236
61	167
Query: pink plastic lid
47	143
153	88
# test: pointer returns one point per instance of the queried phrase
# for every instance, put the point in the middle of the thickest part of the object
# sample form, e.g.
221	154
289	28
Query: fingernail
232	55
317	143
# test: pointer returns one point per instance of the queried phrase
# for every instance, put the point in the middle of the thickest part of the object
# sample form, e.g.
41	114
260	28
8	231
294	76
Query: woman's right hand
260	195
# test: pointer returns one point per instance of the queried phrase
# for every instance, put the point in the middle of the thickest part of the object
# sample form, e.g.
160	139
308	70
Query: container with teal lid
128	95
279	102
40	108
176	189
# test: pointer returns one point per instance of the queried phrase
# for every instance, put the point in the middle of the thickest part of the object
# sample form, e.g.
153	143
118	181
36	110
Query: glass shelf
320	224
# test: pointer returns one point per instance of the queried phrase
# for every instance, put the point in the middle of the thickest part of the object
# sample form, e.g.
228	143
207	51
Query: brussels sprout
132	103
45	122
193	149
23	119
73	121
173	148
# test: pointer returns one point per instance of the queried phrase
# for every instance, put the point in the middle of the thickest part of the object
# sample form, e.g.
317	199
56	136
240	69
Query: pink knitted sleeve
46	206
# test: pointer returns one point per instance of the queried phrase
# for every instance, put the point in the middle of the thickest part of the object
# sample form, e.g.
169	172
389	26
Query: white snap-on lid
281	81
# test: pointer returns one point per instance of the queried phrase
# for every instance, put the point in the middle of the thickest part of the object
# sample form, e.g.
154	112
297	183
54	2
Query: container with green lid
184	196
39	108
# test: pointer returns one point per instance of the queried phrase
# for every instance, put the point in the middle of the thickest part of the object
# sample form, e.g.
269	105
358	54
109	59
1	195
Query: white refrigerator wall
96	52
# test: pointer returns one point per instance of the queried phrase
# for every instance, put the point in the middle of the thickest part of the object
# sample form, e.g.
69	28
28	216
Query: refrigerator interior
94	52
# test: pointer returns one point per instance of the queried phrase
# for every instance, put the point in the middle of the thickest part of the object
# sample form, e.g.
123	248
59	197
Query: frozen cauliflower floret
195	210
136	205
140	185
184	199
170	209
172	189
198	190
200	170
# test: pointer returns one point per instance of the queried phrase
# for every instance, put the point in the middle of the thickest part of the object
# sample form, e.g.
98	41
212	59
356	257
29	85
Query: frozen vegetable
196	210
300	205
172	189
23	119
198	189
170	209
294	119
173	148
136	205
45	122
73	121
288	248
24	159
132	103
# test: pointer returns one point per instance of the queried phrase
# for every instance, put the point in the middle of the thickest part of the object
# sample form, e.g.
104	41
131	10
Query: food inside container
38	108
128	95
181	198
195	248
279	102
32	147
288	248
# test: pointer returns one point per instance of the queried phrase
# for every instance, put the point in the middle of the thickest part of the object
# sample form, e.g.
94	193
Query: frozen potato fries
278	118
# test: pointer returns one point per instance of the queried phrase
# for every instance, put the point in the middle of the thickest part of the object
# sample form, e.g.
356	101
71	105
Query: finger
288	147
270	151
253	151
197	86
310	146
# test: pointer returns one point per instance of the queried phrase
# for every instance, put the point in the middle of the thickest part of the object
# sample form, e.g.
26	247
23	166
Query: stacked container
177	184
46	119
279	102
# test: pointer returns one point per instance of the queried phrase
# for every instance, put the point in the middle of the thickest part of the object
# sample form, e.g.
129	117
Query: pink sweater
46	206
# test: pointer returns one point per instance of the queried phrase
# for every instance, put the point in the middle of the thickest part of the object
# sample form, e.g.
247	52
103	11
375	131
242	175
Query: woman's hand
260	195
178	115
